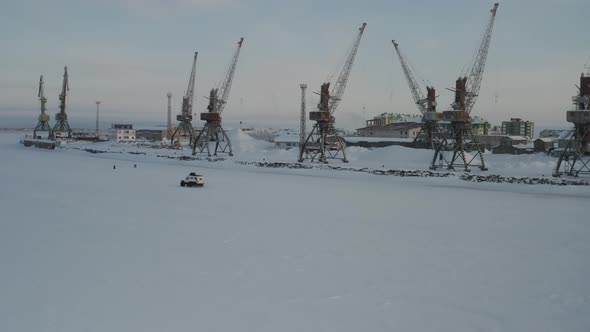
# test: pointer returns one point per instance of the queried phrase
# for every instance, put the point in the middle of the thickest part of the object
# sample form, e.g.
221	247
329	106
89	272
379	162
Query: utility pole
302	128
169	123
97	128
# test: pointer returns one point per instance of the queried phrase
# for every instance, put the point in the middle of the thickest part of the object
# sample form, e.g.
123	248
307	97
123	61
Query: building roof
478	120
546	139
523	146
357	139
151	130
395	126
286	139
518	138
156	127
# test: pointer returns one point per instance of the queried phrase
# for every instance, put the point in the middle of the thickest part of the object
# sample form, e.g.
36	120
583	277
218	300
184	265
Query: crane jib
340	86
478	67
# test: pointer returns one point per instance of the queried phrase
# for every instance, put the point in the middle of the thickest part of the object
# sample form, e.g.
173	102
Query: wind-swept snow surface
85	247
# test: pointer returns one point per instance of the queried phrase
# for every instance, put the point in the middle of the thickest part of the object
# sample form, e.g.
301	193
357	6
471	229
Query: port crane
185	127
43	124
61	119
213	131
426	105
575	158
323	142
459	140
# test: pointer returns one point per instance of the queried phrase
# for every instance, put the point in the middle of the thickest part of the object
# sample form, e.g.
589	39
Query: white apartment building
122	133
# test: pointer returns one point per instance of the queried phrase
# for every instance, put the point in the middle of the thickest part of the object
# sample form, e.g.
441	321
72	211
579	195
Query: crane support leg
212	132
456	142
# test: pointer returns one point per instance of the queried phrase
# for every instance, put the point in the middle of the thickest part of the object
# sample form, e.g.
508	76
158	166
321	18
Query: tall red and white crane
62	126
213	132
426	105
323	142
460	140
185	118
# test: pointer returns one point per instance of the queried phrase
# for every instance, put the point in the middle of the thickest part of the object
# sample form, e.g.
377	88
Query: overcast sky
130	53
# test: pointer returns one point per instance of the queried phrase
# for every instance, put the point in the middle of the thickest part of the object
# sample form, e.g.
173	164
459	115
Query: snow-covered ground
85	247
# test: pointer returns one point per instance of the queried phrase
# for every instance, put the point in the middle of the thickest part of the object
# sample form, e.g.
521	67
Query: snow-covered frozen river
85	247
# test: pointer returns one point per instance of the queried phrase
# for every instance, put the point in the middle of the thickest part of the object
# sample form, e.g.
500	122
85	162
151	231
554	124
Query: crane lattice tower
213	132
575	159
61	119
323	142
185	127
43	124
458	148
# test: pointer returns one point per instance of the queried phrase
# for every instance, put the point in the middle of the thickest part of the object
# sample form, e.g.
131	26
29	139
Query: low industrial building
489	141
514	145
122	133
286	141
153	135
396	130
545	144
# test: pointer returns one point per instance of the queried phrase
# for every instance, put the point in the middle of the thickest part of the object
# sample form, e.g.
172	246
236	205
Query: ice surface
85	247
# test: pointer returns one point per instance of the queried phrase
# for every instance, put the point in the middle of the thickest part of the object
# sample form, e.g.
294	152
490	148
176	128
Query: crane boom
417	93
476	73
340	86
41	95
190	90
64	91
224	89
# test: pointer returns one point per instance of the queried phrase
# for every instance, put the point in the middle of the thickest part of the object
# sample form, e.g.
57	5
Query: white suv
193	180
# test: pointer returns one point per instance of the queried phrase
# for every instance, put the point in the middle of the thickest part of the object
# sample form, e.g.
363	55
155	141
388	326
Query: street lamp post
97	129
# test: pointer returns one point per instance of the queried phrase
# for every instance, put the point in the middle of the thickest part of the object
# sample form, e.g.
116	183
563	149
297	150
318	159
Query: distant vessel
42	143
